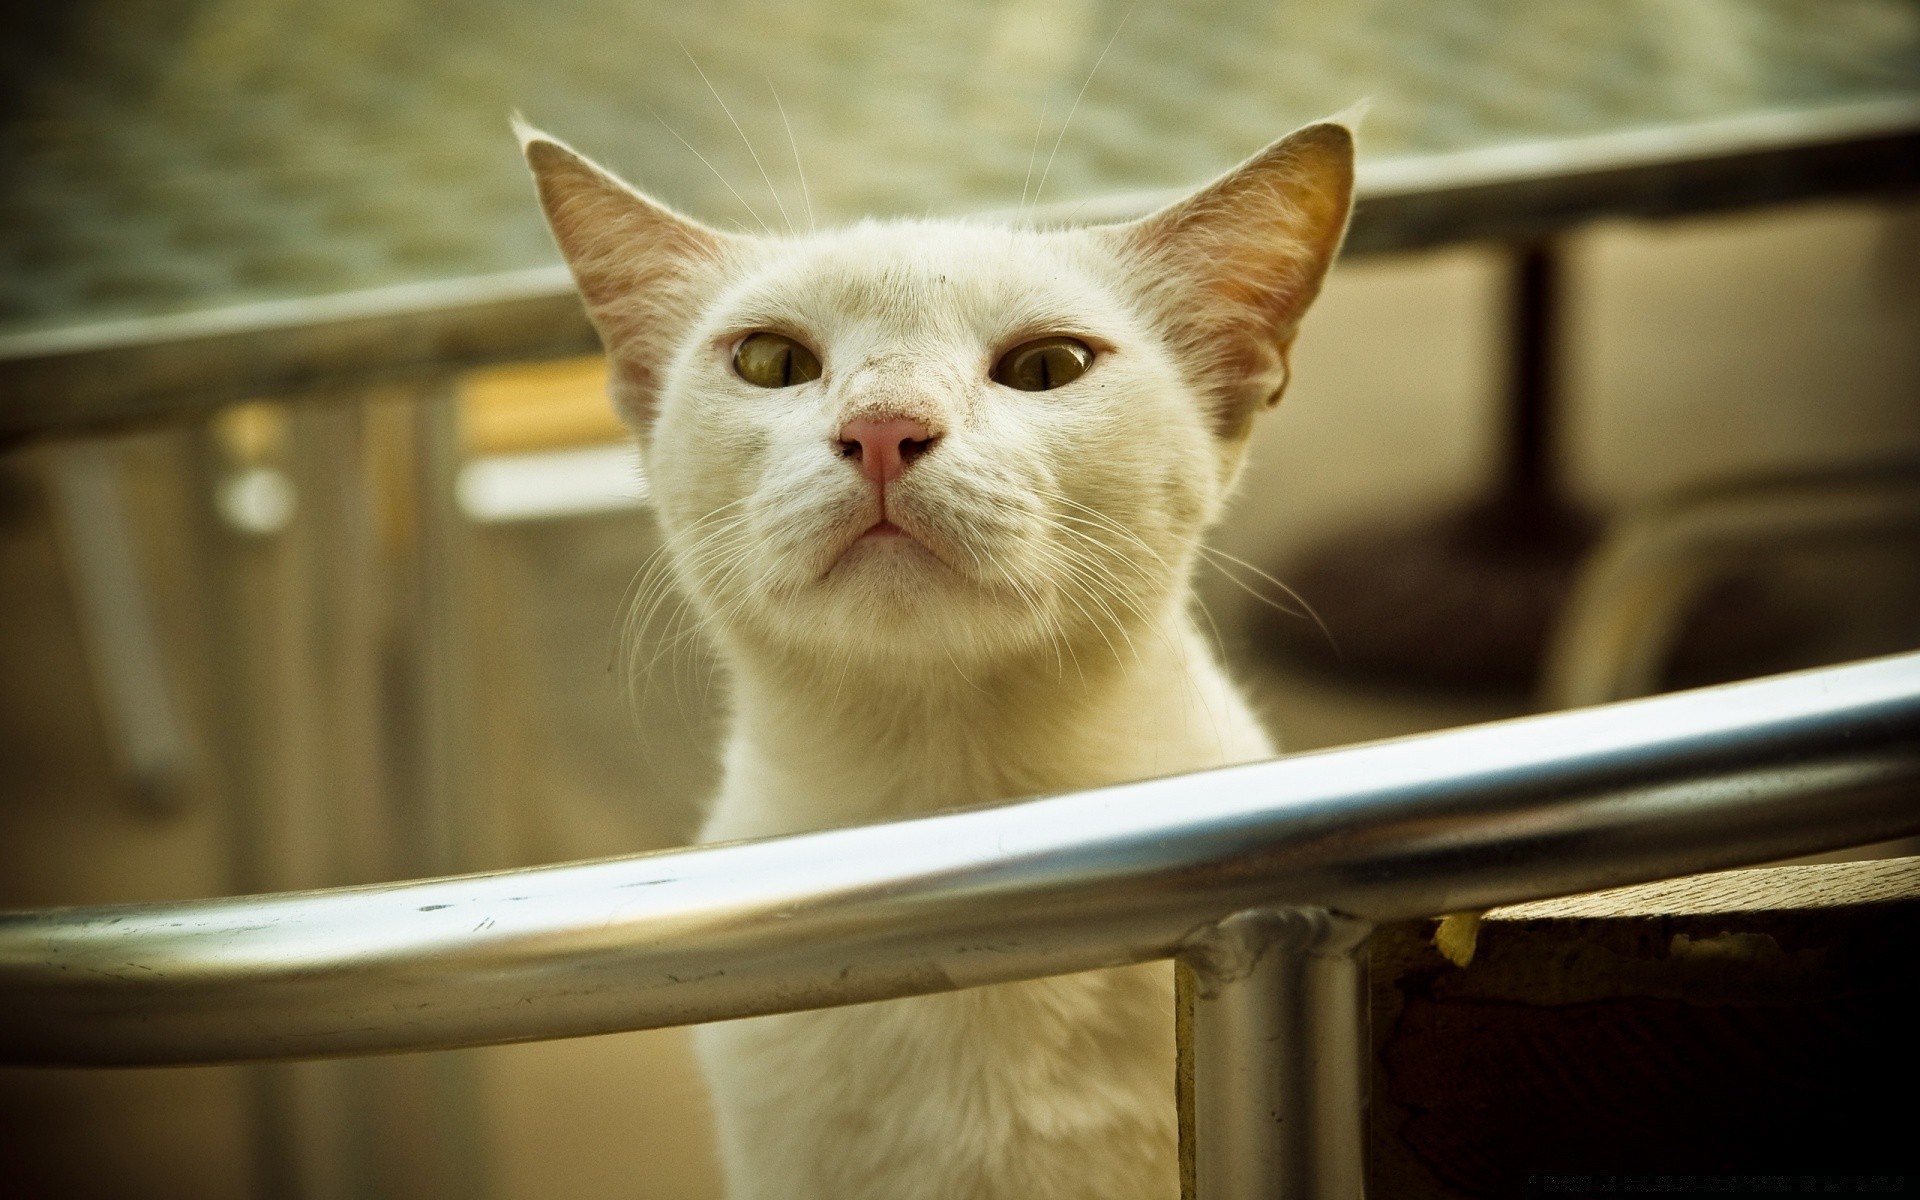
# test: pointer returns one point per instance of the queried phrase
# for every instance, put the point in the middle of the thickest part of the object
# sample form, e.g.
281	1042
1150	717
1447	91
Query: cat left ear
642	269
1231	269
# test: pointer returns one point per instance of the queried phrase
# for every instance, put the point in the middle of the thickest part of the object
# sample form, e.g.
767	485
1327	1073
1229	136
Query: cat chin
893	580
895	602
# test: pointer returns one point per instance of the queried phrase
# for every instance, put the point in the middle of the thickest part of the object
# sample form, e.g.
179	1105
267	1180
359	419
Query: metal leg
146	734
1468	595
1274	1058
355	767
429	584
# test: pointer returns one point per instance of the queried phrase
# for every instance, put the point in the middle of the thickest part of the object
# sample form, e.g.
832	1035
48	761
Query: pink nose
883	448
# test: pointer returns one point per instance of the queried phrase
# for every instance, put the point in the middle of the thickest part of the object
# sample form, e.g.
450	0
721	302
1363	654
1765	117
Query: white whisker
1212	556
1076	106
805	195
716	173
1033	155
751	152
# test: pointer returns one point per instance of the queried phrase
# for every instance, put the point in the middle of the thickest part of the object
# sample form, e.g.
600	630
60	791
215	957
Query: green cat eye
1043	364
773	360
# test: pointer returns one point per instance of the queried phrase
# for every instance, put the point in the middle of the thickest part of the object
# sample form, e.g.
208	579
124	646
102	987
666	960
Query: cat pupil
770	360
1041	366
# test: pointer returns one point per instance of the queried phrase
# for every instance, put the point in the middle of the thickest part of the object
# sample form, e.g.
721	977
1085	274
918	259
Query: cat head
919	441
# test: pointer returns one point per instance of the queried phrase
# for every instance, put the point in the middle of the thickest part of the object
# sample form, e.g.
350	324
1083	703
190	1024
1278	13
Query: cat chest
1072	1044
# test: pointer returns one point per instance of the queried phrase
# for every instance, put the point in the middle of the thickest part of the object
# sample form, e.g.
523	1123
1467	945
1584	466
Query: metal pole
367	734
125	649
1275	1057
1531	454
1469	818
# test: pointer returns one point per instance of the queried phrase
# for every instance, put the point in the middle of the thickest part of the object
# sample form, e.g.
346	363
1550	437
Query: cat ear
642	269
1230	270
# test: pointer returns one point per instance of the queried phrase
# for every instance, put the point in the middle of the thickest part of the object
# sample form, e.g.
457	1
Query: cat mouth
887	539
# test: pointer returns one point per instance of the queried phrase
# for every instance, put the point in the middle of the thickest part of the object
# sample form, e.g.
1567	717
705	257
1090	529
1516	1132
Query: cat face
845	463
1022	515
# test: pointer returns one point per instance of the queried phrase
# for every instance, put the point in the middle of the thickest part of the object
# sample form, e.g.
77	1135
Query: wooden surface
1748	1022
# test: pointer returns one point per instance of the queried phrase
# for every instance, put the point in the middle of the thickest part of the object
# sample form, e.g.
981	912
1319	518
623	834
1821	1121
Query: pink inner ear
642	269
610	234
1236	265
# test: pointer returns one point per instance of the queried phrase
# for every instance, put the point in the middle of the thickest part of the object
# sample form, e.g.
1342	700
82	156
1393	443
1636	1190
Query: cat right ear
1231	269
642	269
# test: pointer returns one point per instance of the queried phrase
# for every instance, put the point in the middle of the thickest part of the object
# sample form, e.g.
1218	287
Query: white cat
935	488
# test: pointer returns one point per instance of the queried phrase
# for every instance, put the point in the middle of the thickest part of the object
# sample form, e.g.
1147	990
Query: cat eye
1043	364
773	360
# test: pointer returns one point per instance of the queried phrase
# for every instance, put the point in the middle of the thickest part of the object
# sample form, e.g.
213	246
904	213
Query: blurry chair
1631	602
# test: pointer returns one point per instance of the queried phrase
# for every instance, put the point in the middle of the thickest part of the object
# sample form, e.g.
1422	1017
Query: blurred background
319	545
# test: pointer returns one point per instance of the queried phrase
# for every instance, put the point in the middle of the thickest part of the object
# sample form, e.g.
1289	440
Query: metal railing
1264	880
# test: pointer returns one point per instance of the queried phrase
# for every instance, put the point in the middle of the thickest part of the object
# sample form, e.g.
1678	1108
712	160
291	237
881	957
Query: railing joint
1274	1049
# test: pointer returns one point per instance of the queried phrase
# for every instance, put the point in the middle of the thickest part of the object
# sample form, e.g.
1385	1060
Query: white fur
1032	637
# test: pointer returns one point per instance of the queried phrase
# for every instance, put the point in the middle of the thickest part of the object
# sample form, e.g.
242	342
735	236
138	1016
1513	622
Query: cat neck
813	747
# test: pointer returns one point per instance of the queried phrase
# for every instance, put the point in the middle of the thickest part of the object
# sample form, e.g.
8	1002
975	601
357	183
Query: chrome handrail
1305	851
1466	818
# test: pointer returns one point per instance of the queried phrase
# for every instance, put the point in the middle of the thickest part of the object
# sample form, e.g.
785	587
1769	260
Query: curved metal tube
1464	819
1630	602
